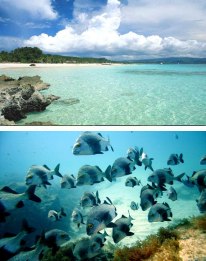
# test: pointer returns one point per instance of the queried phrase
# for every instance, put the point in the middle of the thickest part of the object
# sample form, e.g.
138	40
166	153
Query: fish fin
26	227
98	168
47	183
20	204
56	170
78	225
179	177
111	225
151	168
46	167
165	203
151	158
145	167
109	200
62	212
100	134
44	186
30	194
140	152
107	173
181	158
194	172
111	148
123	216
97	198
99	152
105	202
167	219
8	190
106	149
73	176
129	234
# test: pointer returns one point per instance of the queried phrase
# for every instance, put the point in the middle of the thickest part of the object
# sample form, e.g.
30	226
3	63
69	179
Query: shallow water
20	150
123	95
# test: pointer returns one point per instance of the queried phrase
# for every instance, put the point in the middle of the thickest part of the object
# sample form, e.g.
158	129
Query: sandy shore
50	65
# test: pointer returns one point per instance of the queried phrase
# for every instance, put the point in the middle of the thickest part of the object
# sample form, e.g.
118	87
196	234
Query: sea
137	94
20	150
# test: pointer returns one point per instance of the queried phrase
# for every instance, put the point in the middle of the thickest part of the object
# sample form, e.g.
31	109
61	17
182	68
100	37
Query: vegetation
35	55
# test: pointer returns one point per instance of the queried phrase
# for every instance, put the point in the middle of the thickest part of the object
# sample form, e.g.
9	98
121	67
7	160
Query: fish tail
26	227
56	171
97	197
62	212
30	194
109	144
107	173
181	158
179	177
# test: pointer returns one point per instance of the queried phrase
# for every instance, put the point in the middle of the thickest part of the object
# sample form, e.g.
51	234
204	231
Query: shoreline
52	65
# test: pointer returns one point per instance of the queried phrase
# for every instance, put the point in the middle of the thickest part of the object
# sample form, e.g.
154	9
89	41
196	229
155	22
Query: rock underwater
19	97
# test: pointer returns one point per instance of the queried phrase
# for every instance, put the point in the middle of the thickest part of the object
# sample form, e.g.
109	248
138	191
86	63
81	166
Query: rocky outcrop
19	97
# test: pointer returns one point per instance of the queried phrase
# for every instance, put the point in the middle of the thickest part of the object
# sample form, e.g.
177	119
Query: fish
162	176
89	175
10	199
122	228
199	179
147	161
148	196
100	217
99	238
89	143
89	200
56	216
172	194
121	167
39	175
68	182
132	182
201	201
160	212
9	246
174	159
203	160
54	238
85	249
134	206
135	154
77	217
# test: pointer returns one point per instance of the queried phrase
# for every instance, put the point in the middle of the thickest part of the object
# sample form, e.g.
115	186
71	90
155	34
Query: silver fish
160	212
77	217
132	182
100	217
54	238
203	160
122	228
89	175
90	143
172	194
147	161
13	244
135	154
199	179
39	175
174	159
55	216
201	202
89	199
148	195
134	206
10	199
122	167
68	182
162	176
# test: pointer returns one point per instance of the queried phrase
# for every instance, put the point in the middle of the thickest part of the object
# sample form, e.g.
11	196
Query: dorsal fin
123	216
9	190
46	167
105	202
98	168
165	203
73	176
194	172
100	134
109	200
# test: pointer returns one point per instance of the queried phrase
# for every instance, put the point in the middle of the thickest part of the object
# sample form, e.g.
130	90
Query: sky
115	29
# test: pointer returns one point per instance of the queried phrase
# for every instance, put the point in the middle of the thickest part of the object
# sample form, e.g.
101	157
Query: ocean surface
123	95
20	150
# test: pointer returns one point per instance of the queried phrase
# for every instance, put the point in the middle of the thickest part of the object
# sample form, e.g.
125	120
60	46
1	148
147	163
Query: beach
50	65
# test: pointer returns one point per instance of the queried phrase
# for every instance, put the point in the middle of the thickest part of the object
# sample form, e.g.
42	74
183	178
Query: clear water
20	150
123	95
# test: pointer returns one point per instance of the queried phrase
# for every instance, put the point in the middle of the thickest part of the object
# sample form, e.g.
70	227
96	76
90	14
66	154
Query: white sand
48	65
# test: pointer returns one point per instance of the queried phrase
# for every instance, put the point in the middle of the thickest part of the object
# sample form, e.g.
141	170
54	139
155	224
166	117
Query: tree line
35	55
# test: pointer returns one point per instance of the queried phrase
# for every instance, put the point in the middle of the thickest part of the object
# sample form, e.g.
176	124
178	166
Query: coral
63	254
200	222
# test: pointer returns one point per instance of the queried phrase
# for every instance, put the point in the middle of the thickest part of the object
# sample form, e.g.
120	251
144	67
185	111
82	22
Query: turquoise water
20	150
123	95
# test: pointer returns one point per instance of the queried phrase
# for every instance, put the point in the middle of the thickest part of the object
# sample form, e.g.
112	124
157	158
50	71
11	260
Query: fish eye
90	225
78	145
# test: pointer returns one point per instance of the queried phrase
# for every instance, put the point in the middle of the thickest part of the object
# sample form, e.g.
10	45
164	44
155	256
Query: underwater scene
107	195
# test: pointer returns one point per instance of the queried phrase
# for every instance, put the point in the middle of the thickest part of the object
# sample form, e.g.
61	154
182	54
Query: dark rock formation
19	97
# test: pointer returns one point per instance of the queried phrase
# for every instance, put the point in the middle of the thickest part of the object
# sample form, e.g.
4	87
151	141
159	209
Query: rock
40	123
19	97
69	101
4	122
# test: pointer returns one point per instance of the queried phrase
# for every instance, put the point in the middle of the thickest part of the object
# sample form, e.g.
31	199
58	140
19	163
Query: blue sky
118	29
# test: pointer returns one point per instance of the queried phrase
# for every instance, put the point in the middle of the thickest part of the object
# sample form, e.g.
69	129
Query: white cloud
10	42
38	8
99	34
